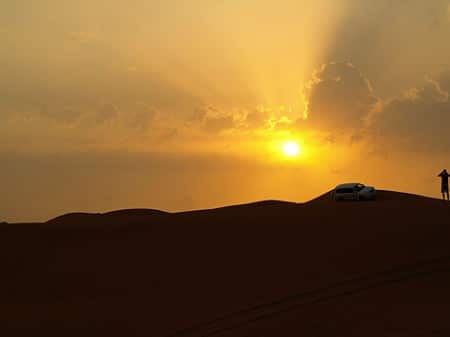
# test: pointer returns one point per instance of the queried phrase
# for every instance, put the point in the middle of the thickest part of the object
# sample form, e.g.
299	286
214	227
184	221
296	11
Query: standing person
444	183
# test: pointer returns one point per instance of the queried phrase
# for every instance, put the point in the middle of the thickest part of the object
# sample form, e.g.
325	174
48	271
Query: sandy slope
264	269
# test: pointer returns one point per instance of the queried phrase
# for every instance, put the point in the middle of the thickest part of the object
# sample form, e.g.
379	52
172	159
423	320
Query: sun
290	149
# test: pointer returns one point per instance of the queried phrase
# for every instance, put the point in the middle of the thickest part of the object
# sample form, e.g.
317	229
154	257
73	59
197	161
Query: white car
354	191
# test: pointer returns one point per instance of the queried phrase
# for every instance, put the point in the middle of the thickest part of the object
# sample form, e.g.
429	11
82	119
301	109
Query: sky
179	105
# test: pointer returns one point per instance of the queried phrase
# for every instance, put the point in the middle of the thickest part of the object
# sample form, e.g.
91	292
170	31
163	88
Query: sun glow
291	149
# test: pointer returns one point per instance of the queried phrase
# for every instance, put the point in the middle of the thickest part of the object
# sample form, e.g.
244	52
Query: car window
344	190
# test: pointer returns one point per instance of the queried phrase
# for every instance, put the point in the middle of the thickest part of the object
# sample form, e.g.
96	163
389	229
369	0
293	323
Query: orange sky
187	104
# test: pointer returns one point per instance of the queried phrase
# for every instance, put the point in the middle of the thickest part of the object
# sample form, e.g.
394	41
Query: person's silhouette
444	183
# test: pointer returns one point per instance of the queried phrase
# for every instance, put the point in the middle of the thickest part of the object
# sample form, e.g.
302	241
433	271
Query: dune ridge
141	215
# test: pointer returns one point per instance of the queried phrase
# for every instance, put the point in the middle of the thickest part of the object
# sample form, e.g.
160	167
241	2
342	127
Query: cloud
257	118
166	135
213	120
134	117
279	117
395	43
66	114
444	80
142	116
417	120
219	123
339	98
106	113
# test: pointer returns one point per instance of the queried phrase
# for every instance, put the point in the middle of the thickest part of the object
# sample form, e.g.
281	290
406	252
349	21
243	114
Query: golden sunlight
291	149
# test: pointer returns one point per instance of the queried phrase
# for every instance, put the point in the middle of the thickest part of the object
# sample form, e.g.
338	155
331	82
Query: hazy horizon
180	105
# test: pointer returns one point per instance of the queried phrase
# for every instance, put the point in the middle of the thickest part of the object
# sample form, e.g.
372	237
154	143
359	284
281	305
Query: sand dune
269	268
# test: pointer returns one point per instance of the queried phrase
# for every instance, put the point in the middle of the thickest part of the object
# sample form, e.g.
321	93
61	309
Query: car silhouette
354	191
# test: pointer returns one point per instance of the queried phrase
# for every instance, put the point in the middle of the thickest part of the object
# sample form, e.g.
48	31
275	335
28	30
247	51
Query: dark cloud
340	97
106	113
219	123
142	116
212	119
197	116
418	120
167	135
138	117
256	119
392	42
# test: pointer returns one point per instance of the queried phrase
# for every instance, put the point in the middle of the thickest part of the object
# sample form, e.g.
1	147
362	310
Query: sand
270	268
